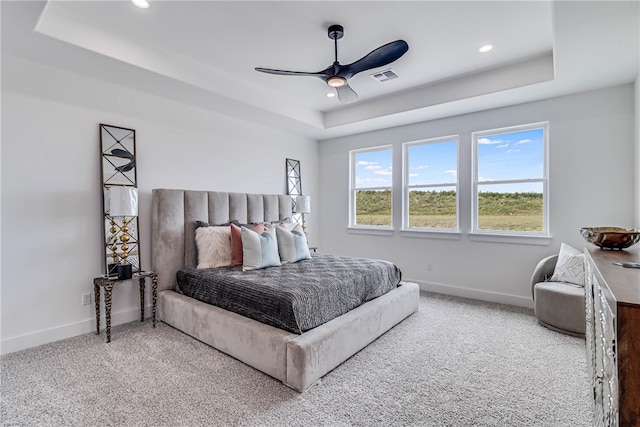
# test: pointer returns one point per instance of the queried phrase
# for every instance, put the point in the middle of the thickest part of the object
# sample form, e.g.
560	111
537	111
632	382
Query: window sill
382	231
511	238
431	234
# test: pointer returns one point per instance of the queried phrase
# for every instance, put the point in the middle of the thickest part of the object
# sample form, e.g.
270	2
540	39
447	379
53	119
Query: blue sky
515	155
433	163
373	169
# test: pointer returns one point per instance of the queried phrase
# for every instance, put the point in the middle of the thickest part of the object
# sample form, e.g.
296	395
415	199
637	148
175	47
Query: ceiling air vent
384	75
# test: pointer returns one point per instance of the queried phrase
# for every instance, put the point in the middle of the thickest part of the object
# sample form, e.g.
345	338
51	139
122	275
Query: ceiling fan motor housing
336	32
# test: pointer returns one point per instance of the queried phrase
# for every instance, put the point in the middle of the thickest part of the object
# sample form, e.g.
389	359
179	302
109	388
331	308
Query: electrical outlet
86	299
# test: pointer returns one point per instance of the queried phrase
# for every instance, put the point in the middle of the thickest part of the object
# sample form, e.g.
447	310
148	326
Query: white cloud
489	141
482	178
513	151
374	167
502	145
452	172
421	167
379	182
524	141
414	174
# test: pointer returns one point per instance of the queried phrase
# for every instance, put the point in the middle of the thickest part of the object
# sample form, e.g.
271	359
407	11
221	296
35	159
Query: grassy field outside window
437	209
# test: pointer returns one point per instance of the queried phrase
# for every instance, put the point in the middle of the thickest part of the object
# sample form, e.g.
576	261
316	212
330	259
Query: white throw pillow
570	266
292	245
214	246
288	225
259	250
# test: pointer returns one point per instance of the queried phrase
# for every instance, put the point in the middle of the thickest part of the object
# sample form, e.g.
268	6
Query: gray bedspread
294	297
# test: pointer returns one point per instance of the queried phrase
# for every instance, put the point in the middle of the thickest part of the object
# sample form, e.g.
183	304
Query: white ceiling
204	52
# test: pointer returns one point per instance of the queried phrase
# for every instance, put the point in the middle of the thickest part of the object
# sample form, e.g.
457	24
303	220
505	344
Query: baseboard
11	345
474	294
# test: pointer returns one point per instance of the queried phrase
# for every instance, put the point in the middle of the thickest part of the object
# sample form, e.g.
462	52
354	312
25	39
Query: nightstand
108	282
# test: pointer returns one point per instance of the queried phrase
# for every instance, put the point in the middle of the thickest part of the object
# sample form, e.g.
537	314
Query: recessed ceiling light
330	95
142	4
485	48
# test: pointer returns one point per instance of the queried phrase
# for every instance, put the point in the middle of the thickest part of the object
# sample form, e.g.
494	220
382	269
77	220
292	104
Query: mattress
294	297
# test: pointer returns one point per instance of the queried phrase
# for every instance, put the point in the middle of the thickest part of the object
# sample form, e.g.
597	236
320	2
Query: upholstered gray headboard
175	212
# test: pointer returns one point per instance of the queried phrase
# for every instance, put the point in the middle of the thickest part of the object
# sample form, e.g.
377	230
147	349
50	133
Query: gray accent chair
558	306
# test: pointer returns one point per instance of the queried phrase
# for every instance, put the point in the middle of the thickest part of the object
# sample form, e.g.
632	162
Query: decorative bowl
611	237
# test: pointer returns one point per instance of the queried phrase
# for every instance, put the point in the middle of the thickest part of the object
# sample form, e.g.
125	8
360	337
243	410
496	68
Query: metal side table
108	282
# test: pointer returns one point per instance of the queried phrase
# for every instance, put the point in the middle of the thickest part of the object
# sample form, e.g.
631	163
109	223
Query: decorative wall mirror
121	249
294	186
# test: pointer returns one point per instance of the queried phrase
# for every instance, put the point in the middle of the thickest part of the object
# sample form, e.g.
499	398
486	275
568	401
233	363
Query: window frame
480	233
353	189
406	187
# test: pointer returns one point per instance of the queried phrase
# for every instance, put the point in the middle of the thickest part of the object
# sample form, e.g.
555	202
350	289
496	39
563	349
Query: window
371	180
430	199
510	180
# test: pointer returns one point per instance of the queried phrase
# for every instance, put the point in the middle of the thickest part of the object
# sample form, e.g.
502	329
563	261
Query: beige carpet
456	363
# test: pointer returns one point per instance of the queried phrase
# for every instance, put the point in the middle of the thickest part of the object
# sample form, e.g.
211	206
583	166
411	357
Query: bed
296	359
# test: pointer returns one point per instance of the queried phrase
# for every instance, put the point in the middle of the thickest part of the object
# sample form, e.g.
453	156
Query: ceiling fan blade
346	94
321	74
383	55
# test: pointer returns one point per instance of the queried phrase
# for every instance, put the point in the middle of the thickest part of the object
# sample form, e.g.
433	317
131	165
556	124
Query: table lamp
303	206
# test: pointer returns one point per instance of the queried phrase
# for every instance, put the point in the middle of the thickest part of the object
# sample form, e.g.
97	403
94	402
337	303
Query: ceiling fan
336	75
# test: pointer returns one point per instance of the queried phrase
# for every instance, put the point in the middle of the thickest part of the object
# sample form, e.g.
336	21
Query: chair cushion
560	305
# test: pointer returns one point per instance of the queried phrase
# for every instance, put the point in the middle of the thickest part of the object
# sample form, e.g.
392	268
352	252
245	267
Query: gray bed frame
296	360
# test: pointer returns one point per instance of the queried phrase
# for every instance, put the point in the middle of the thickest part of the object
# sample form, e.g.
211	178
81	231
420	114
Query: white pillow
570	266
292	245
214	246
288	225
259	250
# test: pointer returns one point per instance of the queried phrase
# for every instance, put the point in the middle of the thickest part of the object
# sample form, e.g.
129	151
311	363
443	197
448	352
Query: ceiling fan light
336	81
142	4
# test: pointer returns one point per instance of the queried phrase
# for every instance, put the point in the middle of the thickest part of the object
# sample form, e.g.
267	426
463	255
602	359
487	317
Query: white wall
51	186
591	184
637	156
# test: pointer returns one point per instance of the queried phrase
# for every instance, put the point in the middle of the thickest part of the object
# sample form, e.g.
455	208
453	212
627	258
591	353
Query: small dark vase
125	272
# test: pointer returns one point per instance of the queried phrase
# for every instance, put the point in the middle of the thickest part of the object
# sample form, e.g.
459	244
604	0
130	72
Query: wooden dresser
613	335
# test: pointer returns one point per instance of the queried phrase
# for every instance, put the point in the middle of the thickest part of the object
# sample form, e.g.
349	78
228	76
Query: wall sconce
122	203
303	206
